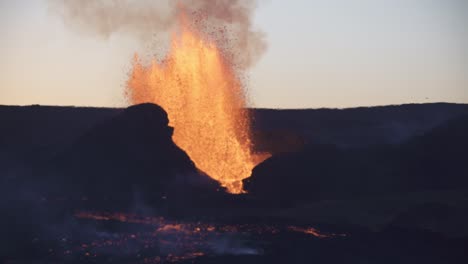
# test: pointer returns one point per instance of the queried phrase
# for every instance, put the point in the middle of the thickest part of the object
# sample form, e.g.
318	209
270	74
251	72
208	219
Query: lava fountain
206	104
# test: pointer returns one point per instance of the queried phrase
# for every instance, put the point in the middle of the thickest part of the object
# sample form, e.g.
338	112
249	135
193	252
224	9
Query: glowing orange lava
206	105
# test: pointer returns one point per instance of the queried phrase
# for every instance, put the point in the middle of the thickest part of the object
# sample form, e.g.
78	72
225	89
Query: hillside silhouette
131	154
435	160
394	177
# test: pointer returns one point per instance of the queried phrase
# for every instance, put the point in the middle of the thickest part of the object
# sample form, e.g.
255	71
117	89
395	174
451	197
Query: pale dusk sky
322	53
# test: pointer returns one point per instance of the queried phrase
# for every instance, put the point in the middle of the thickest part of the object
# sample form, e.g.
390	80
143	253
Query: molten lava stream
206	105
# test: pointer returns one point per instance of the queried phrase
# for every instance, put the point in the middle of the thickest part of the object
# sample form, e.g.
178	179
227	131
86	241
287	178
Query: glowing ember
205	102
118	237
310	231
166	226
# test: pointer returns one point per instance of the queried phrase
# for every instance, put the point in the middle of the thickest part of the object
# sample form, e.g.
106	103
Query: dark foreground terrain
365	185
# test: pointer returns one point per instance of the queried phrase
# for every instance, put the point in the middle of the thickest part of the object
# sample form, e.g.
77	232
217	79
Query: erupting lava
205	101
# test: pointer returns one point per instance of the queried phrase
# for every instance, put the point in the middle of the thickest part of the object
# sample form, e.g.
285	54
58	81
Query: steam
228	22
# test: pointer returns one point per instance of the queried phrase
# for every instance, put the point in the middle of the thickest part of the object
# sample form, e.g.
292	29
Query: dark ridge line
260	108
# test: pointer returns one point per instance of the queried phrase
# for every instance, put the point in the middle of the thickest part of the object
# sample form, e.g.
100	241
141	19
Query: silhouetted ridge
349	128
130	153
147	113
436	160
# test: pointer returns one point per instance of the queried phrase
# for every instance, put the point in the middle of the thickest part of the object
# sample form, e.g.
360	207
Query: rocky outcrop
436	160
130	154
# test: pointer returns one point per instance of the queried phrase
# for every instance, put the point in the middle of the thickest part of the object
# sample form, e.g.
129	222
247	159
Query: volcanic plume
205	102
228	22
199	81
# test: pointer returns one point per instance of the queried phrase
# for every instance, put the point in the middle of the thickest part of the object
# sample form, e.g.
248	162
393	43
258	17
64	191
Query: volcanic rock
130	154
437	160
285	129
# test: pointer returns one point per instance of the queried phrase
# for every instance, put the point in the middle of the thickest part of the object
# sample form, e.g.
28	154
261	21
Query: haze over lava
198	82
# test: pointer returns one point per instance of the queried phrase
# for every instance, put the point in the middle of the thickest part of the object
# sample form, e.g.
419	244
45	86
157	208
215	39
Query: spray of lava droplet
205	102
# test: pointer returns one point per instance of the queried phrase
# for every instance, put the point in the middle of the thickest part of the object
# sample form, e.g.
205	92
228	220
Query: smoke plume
228	22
